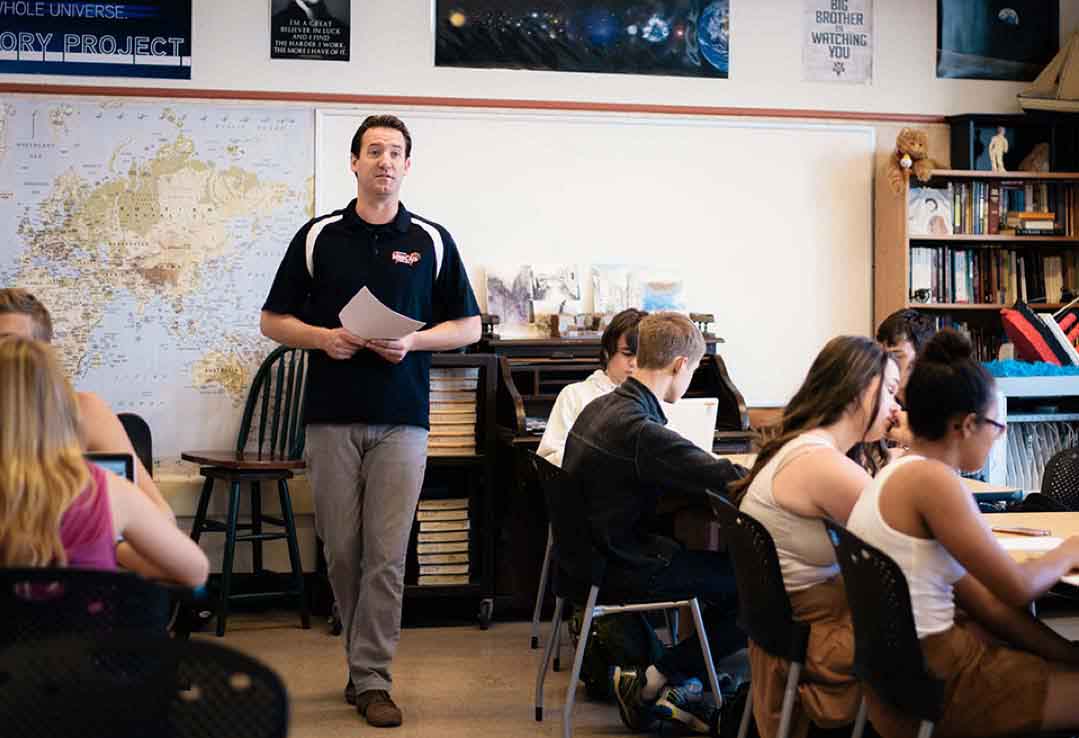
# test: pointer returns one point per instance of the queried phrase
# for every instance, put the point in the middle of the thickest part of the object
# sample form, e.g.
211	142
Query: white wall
393	52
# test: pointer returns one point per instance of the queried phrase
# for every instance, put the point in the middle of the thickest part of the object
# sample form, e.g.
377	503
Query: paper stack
442	541
453	411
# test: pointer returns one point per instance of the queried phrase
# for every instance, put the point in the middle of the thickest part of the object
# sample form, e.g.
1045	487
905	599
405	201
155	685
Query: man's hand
392	350
339	344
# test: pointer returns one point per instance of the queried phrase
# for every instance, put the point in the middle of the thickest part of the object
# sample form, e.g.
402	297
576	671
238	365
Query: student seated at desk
22	314
919	512
903	334
619	461
58	509
618	359
802	475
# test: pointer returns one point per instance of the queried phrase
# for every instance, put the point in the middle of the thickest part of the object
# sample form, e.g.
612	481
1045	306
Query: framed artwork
996	39
689	38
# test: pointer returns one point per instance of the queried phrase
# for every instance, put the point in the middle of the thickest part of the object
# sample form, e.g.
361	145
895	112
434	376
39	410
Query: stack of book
442	542
1034	224
453	411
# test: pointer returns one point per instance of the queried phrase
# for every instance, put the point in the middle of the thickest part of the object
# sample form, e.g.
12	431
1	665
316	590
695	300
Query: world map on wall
152	233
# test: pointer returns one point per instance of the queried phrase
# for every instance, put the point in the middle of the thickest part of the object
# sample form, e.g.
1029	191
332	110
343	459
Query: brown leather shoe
378	708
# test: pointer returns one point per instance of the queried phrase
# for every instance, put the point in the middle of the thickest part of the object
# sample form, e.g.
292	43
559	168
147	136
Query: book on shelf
430	526
455	372
453	451
929	211
461	514
454	384
465	417
460	431
443	569
443	558
451	440
441	536
991	275
438	580
447	503
455	398
443	548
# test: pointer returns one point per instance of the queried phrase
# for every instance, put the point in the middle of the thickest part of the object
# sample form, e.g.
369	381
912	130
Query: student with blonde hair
100	430
620	459
1004	672
801	475
57	509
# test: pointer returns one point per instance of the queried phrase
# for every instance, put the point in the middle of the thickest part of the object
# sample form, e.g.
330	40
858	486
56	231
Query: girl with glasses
1004	671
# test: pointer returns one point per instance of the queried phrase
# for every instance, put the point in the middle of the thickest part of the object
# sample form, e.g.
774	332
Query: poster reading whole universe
689	38
148	38
309	29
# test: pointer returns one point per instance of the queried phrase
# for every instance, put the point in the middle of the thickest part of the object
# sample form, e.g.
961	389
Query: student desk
1059	524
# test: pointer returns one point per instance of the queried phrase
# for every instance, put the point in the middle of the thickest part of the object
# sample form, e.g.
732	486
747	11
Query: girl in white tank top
802	475
919	512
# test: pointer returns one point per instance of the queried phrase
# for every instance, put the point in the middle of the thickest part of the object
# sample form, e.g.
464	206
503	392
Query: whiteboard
769	223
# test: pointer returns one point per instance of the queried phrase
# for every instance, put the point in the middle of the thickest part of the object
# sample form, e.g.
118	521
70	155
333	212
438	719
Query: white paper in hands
1036	544
365	316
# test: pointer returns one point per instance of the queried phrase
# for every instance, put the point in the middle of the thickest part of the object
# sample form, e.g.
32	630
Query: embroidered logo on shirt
400	257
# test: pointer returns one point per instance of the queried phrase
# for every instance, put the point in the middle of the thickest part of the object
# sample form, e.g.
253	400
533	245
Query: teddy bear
911	152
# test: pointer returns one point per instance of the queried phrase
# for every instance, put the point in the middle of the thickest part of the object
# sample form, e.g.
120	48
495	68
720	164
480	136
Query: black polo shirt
412	265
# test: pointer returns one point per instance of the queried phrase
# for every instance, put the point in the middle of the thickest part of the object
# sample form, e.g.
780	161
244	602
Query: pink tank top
86	526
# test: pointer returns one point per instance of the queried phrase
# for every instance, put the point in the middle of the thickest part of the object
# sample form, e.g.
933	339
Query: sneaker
684	704
626	685
378	708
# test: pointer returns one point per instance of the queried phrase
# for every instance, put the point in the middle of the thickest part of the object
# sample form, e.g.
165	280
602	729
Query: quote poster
838	41
309	29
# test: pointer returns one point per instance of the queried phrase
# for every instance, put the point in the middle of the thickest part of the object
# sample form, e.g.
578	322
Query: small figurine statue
998	147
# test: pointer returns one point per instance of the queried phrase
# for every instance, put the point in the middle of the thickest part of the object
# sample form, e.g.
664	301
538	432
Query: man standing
368	399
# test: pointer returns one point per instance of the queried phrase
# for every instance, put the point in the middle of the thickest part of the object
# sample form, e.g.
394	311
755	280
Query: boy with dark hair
620	459
618	357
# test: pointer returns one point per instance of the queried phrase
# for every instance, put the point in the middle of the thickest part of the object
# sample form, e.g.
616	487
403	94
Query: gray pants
366	482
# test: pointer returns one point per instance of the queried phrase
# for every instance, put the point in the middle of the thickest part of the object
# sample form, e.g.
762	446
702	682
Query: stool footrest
265	595
261	537
273	521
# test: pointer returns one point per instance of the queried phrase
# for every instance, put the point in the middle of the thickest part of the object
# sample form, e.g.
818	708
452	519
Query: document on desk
366	317
1033	544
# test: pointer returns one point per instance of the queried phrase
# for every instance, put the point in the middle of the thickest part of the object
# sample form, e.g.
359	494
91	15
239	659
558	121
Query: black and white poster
309	29
838	41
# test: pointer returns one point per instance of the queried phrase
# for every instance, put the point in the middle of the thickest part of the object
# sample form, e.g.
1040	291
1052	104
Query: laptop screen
122	465
694	418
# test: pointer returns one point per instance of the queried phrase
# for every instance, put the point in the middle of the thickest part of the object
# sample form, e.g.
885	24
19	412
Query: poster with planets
996	39
688	38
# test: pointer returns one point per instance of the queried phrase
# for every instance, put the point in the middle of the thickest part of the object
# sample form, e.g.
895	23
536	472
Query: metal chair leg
578	660
256	527
230	552
541	590
293	552
790	694
672	623
548	650
706	650
557	635
859	721
743	728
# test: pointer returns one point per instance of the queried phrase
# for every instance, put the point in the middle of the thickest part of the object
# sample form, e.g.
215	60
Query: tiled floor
450	682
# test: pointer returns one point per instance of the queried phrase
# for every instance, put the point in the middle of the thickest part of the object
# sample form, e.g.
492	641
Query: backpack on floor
626	639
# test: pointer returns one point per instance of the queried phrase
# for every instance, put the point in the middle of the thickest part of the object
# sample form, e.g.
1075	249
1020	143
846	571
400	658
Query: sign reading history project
310	29
838	41
149	39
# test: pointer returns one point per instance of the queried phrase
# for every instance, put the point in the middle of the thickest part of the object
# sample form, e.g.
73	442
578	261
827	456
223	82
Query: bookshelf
950	260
